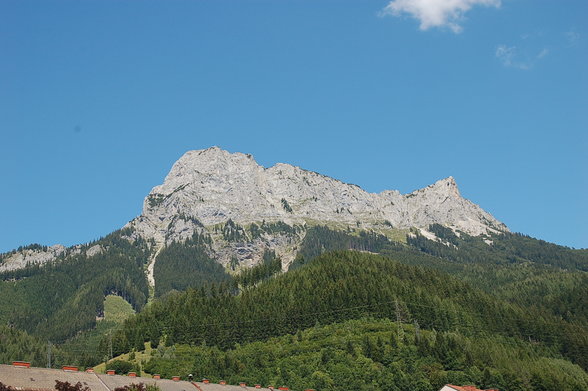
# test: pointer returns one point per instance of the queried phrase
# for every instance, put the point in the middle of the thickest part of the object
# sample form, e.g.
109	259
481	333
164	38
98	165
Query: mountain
29	255
210	187
467	331
228	252
221	194
213	186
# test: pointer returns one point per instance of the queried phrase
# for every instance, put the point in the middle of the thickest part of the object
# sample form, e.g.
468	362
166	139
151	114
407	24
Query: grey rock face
207	188
22	258
214	185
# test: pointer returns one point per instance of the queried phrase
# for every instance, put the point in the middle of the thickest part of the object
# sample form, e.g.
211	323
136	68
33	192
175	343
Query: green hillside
339	286
517	268
498	299
60	299
187	265
375	354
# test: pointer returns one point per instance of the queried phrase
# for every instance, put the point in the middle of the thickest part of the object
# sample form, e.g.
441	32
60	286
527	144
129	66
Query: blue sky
99	98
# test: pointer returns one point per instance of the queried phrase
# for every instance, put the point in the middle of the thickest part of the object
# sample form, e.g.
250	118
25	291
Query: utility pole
48	354
110	345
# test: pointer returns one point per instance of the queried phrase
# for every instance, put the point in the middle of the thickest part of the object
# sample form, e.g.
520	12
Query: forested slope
514	290
498	248
375	354
58	300
520	269
339	286
187	264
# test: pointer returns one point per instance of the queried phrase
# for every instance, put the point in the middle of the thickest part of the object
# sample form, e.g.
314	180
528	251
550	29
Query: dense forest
17	343
520	269
270	265
499	248
60	299
375	354
187	264
415	313
338	286
524	270
320	239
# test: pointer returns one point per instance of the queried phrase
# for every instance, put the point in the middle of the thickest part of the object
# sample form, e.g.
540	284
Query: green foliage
155	199
320	239
139	387
520	269
116	309
123	367
18	345
275	228
286	205
519	302
531	281
60	299
345	285
365	354
67	386
183	265
83	350
505	248
269	266
234	263
233	232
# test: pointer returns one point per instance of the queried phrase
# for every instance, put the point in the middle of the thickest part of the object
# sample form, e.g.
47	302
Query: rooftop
41	379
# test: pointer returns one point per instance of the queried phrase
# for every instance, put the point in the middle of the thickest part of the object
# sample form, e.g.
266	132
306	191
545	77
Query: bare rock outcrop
30	255
207	189
213	186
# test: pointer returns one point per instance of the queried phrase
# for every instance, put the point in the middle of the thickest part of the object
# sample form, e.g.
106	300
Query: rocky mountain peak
214	185
206	188
446	186
212	160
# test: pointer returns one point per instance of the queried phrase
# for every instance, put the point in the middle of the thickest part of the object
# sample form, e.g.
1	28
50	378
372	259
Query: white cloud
511	57
436	13
544	52
506	55
573	37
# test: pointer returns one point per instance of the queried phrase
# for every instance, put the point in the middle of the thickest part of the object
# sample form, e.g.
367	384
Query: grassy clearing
117	309
395	234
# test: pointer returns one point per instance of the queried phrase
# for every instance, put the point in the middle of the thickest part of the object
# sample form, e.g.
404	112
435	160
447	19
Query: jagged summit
214	185
446	186
206	188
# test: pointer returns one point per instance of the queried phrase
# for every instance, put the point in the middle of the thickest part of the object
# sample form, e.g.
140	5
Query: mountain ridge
172	251
210	187
214	185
